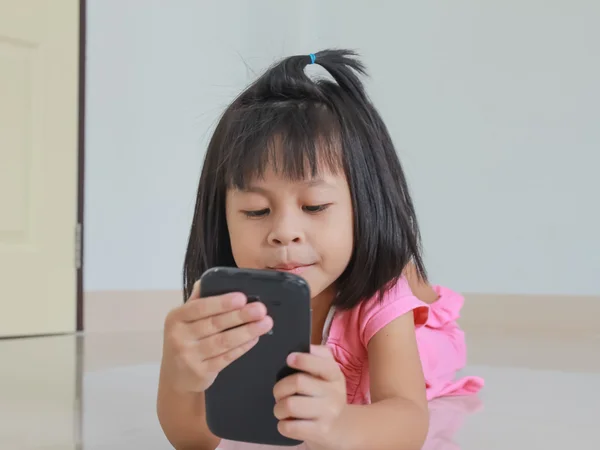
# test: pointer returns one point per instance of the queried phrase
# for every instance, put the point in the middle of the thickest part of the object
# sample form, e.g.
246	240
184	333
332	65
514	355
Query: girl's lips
296	270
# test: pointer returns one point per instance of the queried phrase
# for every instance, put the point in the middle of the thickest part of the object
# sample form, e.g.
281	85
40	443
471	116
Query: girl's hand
205	335
309	404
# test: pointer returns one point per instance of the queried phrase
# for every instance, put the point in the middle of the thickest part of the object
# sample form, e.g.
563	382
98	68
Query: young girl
301	175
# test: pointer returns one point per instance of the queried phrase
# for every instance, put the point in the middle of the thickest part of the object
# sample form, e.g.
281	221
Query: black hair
316	122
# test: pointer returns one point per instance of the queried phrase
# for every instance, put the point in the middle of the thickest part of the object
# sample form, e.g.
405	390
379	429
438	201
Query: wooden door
39	67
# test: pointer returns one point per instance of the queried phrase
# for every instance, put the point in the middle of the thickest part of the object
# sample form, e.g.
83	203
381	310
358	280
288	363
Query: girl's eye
315	208
257	213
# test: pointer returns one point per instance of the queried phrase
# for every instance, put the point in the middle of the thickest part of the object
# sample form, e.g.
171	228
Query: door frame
81	162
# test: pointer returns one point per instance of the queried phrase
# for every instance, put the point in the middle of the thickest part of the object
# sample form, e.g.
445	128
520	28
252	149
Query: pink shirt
440	341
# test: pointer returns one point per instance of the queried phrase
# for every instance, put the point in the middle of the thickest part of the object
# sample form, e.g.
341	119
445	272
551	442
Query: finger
212	306
298	407
221	361
324	368
300	430
321	350
195	291
227	340
298	384
215	324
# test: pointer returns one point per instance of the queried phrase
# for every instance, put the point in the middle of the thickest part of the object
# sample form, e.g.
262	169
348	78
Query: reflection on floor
98	392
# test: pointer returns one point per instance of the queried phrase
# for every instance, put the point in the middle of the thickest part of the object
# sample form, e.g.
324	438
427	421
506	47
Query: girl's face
304	227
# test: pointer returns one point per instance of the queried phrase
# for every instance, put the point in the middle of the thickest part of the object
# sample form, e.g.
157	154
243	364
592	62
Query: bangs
295	140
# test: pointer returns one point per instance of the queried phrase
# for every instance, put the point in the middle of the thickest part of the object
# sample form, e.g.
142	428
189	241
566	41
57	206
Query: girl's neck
321	305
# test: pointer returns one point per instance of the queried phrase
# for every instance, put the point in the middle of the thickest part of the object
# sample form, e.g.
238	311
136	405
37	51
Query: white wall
494	107
158	76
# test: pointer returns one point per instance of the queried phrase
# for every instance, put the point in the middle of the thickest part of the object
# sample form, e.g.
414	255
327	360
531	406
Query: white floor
91	395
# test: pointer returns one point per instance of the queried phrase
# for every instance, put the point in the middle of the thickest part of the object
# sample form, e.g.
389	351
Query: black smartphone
240	402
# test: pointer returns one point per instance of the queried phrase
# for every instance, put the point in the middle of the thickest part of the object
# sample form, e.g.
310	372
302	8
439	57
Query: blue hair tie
313	58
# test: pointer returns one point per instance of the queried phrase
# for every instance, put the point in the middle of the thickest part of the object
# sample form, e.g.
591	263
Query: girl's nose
283	240
286	231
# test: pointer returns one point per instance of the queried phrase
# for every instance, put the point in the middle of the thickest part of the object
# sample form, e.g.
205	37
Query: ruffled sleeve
446	309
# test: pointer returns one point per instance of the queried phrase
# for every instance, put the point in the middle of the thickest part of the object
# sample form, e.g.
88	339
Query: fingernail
256	308
291	359
266	323
238	299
